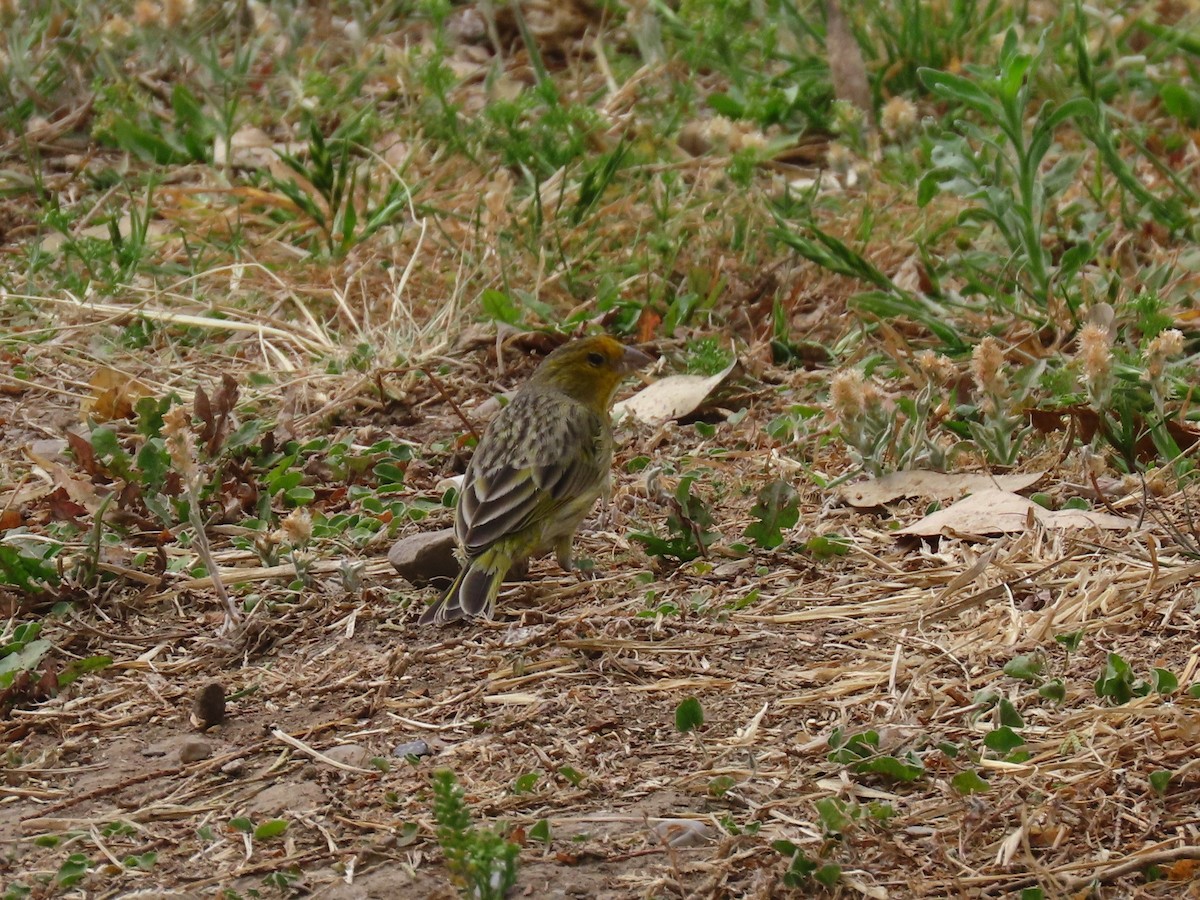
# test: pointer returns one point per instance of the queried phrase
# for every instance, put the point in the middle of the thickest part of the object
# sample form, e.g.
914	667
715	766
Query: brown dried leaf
1047	835
222	407
1088	423
935	485
62	507
84	455
114	395
647	325
992	512
202	406
847	70
77	488
1183	870
227	396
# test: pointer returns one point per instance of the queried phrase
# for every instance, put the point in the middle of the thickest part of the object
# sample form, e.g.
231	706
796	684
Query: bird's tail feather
472	593
478	589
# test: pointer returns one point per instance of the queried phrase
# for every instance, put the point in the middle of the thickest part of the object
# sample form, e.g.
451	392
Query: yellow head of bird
590	369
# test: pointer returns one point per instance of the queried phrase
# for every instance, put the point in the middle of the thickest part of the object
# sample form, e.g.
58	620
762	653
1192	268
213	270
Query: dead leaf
647	324
10	518
1047	835
1183	869
249	148
672	397
990	512
223	403
1087	422
85	456
935	485
847	70
285	421
47	684
63	508
154	232
49	451
114	395
203	409
78	489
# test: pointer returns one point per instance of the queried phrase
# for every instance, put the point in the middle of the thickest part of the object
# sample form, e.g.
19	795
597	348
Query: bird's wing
531	462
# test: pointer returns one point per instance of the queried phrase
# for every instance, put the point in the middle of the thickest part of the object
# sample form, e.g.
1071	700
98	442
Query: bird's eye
596	359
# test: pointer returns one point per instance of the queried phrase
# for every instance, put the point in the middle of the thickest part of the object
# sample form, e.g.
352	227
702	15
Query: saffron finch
537	472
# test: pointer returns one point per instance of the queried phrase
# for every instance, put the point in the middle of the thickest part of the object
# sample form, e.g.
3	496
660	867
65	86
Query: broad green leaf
1026	666
969	782
1003	740
271	829
688	715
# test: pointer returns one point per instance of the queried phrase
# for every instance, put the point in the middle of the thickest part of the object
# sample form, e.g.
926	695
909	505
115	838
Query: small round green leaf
688	715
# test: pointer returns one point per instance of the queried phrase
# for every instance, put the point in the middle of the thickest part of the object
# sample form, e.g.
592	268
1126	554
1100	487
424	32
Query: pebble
682	832
422	557
194	751
350	755
412	748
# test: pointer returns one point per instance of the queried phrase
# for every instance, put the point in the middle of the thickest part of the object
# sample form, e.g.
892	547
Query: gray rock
422	557
682	833
412	748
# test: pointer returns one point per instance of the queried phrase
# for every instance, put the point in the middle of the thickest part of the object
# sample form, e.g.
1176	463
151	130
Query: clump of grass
482	863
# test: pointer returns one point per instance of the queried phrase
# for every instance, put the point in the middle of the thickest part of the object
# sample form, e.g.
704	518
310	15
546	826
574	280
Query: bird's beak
633	359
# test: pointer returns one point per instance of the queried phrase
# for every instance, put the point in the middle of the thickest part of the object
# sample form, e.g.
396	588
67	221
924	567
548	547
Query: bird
538	470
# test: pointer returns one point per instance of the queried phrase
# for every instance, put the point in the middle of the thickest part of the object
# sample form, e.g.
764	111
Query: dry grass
329	677
886	638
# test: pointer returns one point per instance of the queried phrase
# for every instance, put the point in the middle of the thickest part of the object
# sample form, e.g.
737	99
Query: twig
1117	869
1133	864
204	551
454	406
286	738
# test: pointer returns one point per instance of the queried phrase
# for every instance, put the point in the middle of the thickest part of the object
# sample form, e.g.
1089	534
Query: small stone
294	796
422	557
412	748
234	767
194	751
209	707
350	755
682	833
734	568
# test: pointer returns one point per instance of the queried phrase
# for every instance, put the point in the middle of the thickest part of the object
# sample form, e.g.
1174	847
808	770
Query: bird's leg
586	570
519	570
562	551
604	518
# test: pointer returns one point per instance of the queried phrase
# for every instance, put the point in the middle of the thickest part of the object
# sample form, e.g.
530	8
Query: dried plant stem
204	551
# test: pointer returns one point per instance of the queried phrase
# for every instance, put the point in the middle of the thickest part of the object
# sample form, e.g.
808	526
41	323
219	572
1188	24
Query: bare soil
579	678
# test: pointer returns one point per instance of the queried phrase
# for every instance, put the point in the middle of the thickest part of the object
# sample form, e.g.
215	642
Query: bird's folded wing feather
505	492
